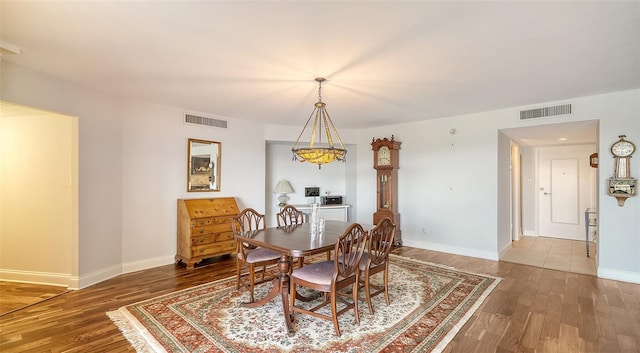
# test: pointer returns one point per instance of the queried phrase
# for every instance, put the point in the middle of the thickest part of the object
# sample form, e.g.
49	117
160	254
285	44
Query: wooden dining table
291	242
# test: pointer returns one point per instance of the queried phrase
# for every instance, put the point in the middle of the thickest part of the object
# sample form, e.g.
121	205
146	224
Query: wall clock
386	164
622	185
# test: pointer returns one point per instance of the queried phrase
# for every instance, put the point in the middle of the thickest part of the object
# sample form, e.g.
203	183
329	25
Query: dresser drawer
199	222
211	238
206	239
215	248
210	229
224	236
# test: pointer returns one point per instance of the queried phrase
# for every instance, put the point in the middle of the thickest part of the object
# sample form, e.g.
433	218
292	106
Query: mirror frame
203	165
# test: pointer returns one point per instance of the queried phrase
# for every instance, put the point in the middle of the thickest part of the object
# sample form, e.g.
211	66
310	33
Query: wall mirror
203	165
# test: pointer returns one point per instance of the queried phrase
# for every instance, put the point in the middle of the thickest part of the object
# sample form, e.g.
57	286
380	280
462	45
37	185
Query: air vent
564	109
201	120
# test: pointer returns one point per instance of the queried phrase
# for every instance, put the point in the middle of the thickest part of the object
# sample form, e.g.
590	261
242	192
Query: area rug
429	305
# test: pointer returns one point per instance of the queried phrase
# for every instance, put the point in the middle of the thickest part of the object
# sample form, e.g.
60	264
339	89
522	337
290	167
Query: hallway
552	253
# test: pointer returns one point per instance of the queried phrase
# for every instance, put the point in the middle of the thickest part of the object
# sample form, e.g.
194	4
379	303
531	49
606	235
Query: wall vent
564	109
201	120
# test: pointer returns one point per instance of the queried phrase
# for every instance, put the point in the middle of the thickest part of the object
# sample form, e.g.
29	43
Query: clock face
384	156
623	149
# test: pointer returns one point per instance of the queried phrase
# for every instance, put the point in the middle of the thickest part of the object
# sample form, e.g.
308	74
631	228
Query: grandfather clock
385	162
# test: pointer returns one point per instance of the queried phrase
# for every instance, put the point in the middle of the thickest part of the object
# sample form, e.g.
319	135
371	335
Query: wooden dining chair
250	256
290	216
376	260
338	280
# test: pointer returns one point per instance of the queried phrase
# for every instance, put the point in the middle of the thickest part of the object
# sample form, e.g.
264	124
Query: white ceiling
385	61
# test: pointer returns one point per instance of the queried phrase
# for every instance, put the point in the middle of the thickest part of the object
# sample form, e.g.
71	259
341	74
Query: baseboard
46	278
619	275
505	249
75	282
147	263
529	233
488	255
99	276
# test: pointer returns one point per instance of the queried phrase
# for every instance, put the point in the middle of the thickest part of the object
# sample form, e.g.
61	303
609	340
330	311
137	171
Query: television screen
311	191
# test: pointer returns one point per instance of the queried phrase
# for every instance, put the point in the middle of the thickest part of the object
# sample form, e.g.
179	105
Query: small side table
590	221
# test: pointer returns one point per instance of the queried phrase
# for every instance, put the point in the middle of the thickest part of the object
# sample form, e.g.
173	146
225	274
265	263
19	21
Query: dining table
292	241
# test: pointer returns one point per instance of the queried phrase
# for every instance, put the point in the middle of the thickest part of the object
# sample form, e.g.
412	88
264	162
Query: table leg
284	265
280	285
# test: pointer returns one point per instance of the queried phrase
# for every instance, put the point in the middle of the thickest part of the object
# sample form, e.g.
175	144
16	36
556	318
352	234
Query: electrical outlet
424	230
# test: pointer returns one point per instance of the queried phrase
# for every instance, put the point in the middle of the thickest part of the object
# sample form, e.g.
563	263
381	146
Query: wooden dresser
204	229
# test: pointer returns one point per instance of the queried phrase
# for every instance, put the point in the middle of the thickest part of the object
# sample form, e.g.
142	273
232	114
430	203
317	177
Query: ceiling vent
564	109
201	120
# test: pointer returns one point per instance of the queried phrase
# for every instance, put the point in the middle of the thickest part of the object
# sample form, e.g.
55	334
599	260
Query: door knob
547	193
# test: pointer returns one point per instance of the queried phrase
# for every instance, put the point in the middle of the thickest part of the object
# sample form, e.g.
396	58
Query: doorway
566	188
552	159
39	191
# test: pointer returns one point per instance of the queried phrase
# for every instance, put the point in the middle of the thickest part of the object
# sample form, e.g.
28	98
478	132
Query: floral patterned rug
429	304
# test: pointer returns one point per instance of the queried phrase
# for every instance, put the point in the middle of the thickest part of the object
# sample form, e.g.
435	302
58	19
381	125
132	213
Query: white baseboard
488	255
46	278
505	249
75	282
107	273
99	276
529	233
147	263
618	275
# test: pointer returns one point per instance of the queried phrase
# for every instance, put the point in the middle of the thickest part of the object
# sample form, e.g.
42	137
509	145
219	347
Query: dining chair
338	280
376	260
249	220
290	216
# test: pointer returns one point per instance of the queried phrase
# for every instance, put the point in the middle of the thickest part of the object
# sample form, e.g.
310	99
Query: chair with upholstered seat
376	260
290	216
250	256
337	279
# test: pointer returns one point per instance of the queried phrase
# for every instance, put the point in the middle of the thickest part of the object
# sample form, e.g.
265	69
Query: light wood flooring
533	309
14	296
553	253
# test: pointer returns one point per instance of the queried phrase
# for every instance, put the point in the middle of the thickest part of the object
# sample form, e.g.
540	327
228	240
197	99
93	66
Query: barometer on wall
622	185
385	161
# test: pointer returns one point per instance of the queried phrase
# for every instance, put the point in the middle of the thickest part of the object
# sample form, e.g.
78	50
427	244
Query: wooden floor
14	296
532	310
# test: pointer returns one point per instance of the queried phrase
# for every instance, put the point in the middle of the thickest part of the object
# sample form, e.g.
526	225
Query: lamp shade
283	187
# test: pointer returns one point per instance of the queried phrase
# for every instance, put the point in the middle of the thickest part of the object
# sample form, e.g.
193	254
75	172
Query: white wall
448	183
528	190
100	164
155	176
330	178
38	195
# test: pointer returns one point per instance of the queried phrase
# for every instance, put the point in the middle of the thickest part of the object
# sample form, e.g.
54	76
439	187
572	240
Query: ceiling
385	62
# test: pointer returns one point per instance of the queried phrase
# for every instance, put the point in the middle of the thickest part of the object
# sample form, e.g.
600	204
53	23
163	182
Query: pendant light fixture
319	152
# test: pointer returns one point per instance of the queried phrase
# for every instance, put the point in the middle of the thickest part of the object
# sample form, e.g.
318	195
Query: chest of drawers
204	229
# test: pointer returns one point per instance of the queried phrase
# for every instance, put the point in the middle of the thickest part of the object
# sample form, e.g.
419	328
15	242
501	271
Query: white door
565	190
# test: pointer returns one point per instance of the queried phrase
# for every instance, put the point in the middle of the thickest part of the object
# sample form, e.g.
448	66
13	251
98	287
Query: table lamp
283	188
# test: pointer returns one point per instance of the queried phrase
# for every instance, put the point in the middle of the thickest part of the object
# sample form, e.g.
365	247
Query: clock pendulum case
622	185
385	162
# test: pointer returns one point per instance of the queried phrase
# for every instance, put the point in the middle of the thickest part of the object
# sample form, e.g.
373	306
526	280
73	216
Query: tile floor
557	254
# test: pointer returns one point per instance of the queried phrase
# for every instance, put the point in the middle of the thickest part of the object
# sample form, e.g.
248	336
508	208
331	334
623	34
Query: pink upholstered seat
337	279
249	256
